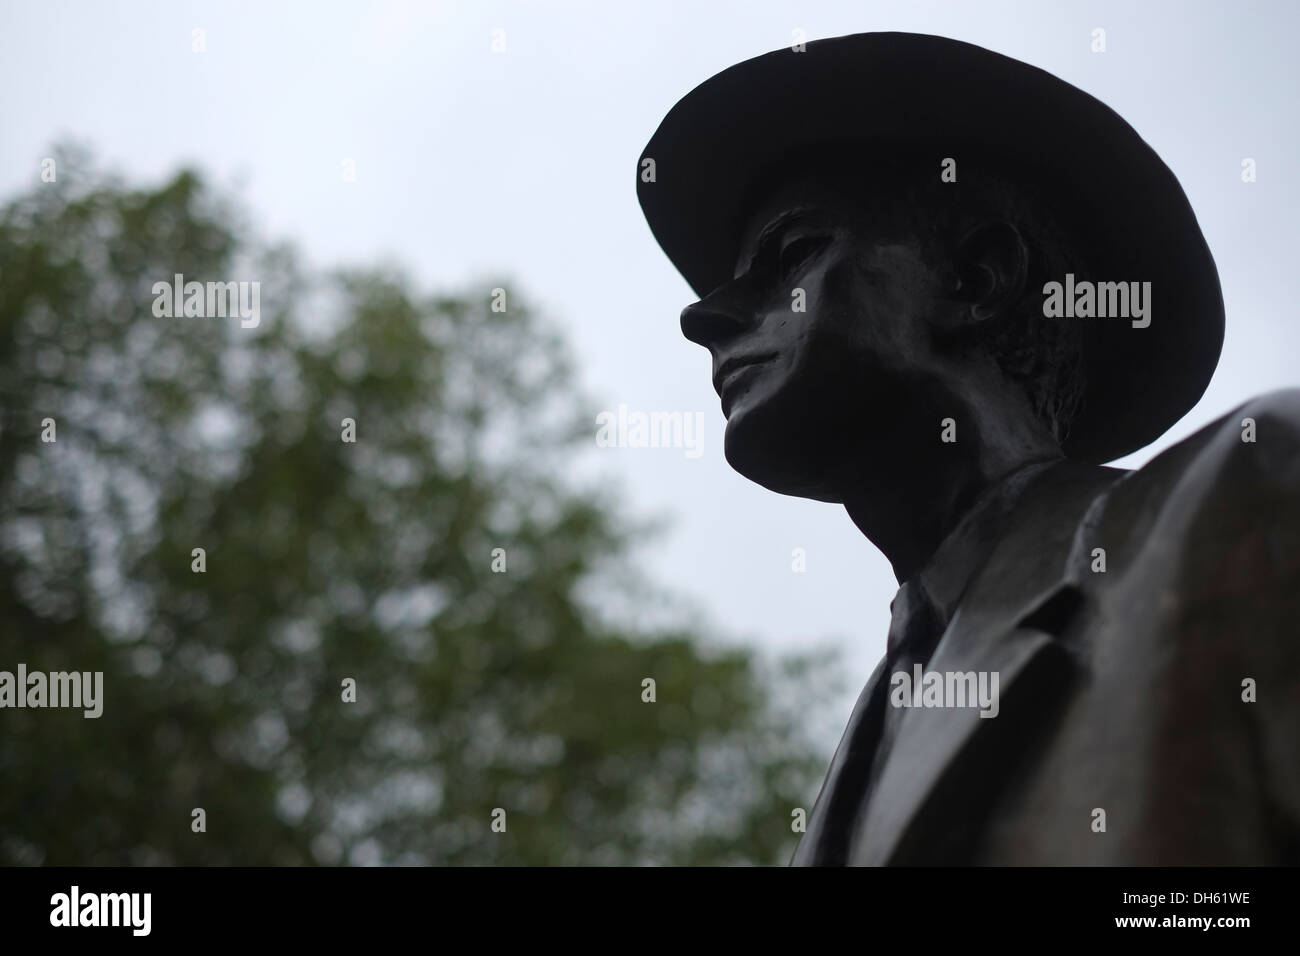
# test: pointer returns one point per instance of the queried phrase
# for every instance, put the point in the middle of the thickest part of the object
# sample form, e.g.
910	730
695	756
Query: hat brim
1125	210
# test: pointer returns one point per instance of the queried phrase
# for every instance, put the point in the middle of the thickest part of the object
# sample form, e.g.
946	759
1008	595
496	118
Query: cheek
872	306
846	318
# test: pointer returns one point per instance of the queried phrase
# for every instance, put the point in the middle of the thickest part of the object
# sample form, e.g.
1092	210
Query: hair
907	195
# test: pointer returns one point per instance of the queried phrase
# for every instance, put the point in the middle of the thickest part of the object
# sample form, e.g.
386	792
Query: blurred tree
329	560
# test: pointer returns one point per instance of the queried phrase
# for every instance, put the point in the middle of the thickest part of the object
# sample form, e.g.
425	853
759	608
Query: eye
798	251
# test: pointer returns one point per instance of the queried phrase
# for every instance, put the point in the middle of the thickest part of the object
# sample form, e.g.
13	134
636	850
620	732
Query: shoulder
1271	420
1217	515
1220	510
1256	445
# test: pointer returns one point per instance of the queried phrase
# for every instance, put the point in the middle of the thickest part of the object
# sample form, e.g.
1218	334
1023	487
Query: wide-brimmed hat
902	92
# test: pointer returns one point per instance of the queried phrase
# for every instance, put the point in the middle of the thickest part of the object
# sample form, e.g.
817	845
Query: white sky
472	163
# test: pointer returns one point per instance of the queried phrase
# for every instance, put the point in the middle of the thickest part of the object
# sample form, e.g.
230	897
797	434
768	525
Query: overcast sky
472	162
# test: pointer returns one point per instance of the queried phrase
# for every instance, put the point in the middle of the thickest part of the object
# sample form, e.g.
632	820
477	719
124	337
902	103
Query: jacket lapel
946	764
826	841
942	757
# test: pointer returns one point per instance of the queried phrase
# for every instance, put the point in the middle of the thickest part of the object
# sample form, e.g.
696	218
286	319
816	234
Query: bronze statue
942	287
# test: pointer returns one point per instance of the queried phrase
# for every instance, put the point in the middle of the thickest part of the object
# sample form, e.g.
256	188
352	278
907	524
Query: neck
909	512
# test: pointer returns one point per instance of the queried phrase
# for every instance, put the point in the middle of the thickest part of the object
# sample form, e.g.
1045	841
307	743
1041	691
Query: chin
772	451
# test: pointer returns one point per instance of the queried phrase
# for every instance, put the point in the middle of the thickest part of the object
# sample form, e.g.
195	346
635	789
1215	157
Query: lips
733	370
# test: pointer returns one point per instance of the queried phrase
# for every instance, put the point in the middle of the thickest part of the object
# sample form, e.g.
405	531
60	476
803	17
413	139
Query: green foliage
329	560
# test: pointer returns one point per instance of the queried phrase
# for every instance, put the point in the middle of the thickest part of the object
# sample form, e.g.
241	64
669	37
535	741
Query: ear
992	265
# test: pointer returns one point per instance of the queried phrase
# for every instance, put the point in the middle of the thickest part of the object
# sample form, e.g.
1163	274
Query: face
820	345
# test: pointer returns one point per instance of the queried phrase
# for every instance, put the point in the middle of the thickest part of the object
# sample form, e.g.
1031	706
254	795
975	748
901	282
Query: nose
709	325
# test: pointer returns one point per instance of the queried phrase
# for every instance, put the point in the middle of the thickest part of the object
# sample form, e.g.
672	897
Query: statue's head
853	297
870	301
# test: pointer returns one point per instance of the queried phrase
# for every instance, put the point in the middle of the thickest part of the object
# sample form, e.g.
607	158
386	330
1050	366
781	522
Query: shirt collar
945	577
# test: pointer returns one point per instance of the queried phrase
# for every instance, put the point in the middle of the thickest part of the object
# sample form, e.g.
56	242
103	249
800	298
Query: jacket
1145	630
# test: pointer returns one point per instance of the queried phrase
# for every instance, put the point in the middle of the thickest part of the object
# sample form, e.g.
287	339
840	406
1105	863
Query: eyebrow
772	228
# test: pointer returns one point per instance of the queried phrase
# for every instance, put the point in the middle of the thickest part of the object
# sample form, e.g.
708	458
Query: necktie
914	631
914	627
